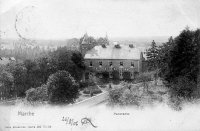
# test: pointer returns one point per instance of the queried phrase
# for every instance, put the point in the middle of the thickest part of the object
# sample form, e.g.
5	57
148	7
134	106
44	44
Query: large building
114	61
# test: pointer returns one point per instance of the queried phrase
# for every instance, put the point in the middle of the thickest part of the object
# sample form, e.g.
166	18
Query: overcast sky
62	19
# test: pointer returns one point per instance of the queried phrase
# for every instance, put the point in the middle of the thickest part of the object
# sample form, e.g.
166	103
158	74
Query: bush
86	91
183	87
62	88
115	74
96	91
37	94
125	95
115	96
126	75
92	90
105	75
146	76
128	98
83	84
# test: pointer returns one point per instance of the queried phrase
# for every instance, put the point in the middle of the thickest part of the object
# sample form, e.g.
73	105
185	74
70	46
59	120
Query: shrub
115	96
83	84
115	74
125	95
183	87
105	75
62	88
146	76
128	98
37	94
86	91
126	75
96	91
92	90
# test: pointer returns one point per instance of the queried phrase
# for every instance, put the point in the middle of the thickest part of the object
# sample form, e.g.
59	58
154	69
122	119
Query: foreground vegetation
54	77
176	63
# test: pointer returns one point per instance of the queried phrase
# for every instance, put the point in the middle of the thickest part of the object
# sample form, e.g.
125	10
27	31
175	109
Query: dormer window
132	64
121	63
110	63
100	63
90	63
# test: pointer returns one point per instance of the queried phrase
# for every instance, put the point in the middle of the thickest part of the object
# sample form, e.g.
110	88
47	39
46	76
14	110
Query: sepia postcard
99	65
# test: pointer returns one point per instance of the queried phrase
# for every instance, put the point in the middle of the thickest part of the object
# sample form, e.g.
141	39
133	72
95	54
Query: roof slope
111	52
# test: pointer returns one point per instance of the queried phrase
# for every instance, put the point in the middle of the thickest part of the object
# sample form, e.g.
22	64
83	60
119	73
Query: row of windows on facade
110	63
111	75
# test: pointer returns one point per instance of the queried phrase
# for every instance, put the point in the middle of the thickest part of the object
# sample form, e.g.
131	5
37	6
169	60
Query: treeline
22	51
61	69
177	63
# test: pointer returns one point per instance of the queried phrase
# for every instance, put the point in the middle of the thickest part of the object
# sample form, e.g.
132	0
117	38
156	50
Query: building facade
114	61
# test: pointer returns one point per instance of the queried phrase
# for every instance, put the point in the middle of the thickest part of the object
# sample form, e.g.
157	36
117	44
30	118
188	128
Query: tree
182	66
62	88
44	69
164	56
144	78
33	72
152	56
153	59
19	73
184	56
6	79
37	94
71	61
78	59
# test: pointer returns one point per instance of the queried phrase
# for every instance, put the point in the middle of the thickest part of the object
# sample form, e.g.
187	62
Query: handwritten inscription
73	122
87	121
70	121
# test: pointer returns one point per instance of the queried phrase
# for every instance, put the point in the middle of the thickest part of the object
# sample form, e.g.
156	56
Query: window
110	63
100	63
90	63
121	63
132	64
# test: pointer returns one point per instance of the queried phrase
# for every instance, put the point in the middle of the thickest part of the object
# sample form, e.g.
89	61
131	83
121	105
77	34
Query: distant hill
74	42
141	41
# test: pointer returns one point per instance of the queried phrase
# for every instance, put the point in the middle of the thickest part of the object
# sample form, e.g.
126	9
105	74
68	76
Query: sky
63	19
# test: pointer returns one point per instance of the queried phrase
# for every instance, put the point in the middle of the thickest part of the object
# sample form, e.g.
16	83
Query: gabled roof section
111	52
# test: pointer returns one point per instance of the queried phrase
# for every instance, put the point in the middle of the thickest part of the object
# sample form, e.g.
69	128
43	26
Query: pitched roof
111	52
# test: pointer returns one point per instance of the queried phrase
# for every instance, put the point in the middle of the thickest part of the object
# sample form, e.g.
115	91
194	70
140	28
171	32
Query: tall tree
183	63
164	56
152	56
